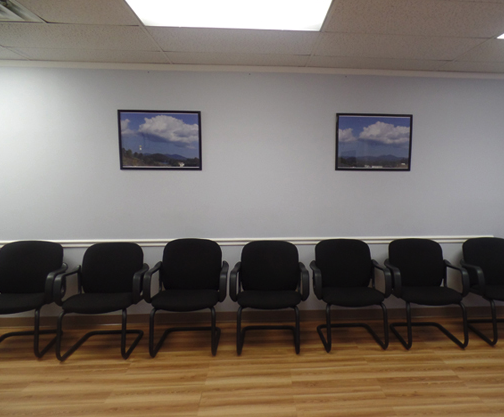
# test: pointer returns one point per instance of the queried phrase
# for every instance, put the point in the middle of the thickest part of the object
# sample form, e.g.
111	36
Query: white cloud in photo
386	134
125	130
346	135
169	129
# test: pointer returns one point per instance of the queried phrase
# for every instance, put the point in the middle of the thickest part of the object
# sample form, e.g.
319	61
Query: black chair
484	261
27	272
191	277
268	277
109	279
419	275
342	273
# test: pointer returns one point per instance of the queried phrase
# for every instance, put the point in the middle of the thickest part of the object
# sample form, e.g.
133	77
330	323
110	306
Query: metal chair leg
214	331
123	332
494	320
409	325
328	342
36	332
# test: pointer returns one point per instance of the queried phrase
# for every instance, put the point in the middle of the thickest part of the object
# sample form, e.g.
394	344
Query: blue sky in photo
373	135
167	133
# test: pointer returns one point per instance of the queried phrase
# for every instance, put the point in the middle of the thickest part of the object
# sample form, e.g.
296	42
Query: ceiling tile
110	12
413	17
374	63
234	41
238	59
394	47
40	35
481	67
490	51
95	55
8	54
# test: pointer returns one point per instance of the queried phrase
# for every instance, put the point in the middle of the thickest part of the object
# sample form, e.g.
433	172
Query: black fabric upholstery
97	303
494	292
269	300
431	296
269	266
488	254
185	300
419	260
352	297
344	262
24	265
17	303
109	267
191	264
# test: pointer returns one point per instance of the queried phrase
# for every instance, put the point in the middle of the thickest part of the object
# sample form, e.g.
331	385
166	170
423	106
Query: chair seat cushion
492	292
352	297
97	303
269	300
185	300
431	296
17	303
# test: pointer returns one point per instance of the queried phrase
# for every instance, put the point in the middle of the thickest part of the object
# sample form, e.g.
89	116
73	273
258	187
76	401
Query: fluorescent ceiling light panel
233	14
501	36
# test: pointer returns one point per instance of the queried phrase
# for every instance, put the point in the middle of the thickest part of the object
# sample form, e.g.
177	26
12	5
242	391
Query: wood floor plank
356	379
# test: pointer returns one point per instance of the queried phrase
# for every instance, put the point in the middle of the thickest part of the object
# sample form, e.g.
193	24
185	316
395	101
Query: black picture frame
160	140
373	142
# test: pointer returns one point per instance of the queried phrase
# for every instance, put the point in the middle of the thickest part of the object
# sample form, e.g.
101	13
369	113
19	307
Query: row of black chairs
269	276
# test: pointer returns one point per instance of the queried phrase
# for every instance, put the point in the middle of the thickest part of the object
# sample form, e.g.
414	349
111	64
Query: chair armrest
223	281
234	282
480	276
387	277
317	280
304	281
137	283
49	283
147	281
59	286
463	274
396	279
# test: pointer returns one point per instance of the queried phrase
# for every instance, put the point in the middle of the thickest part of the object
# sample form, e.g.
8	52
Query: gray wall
268	159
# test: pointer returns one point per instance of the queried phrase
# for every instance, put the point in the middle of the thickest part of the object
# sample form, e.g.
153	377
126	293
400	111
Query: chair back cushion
24	265
420	261
110	267
191	264
269	266
344	262
488	254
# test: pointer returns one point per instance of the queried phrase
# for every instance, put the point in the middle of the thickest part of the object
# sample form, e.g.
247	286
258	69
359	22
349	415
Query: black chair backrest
269	266
488	254
24	265
191	264
344	262
420	262
109	267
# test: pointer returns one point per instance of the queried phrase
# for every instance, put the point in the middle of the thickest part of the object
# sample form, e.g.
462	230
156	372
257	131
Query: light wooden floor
357	378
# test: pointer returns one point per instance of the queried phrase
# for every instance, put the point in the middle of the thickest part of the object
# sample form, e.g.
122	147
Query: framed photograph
160	139
373	142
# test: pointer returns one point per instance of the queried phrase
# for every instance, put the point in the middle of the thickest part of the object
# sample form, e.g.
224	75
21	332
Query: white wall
268	158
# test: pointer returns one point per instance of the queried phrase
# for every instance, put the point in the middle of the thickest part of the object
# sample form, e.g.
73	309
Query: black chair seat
420	276
17	303
97	303
493	292
192	276
352	297
268	300
185	300
431	296
109	279
27	273
268	277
